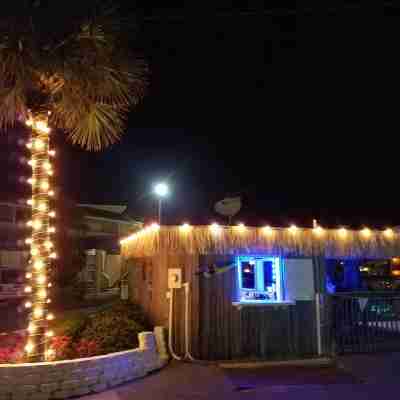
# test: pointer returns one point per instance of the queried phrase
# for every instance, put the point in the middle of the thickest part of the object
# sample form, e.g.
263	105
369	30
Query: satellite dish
229	206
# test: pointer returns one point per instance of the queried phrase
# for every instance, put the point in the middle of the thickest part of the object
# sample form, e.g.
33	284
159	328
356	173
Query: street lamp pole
159	210
161	190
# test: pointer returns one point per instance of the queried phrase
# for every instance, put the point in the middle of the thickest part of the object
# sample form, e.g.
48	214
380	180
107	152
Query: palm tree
79	76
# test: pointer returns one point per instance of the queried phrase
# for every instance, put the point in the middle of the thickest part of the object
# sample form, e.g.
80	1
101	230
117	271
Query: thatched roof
331	243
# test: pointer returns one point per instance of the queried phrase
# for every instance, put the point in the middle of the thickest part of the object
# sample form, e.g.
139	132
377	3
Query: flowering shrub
62	346
12	348
87	348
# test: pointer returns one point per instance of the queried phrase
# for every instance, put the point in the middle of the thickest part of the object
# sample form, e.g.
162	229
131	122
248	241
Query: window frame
259	277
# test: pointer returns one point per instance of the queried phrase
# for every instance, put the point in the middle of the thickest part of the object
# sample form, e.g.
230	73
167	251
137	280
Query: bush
113	328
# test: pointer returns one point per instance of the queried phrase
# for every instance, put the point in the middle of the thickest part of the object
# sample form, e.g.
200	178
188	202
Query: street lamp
161	190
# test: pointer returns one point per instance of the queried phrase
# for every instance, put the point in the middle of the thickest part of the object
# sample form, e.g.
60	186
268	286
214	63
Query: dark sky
288	107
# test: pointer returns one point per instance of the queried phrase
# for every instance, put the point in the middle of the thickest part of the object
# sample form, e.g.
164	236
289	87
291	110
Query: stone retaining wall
63	379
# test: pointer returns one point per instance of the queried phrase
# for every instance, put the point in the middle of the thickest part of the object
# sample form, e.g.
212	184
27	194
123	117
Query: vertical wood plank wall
220	331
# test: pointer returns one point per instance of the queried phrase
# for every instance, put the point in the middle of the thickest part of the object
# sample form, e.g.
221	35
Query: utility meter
174	278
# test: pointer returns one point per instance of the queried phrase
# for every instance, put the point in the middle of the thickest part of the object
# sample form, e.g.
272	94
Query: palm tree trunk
41	246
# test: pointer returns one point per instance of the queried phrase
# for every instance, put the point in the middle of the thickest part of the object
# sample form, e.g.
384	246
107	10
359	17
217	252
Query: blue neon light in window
259	278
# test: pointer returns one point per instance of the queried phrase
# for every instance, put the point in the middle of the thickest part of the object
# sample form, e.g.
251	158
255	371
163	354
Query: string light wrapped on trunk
38	347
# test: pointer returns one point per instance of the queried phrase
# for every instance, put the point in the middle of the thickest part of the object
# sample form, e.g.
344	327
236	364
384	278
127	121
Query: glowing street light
161	190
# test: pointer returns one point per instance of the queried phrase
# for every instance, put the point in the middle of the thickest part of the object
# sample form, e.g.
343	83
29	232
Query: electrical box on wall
174	278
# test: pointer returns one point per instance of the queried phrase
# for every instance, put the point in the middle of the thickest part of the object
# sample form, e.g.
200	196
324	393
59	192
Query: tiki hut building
229	293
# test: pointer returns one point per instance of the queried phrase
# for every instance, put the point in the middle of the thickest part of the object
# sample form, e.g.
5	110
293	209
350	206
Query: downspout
318	322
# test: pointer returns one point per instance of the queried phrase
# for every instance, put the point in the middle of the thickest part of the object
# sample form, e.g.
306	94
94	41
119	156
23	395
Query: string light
366	232
388	233
40	240
342	233
49	353
53	255
318	231
185	228
267	230
38	264
293	229
50	317
215	228
29	202
154	226
49	284
241	227
29	347
38	312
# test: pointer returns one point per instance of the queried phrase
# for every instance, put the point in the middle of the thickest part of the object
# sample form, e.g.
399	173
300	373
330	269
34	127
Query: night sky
288	108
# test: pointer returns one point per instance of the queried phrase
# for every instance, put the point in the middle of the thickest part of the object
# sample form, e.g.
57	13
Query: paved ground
198	382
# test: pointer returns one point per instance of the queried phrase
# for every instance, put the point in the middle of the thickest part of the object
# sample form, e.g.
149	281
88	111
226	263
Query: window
260	279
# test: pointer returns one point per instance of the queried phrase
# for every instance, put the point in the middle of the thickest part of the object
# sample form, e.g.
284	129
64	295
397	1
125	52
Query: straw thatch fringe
281	242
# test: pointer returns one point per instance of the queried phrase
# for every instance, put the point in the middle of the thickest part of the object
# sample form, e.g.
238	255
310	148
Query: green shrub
112	332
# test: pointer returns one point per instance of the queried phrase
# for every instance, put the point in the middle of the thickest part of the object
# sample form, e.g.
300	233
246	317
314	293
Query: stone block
99	387
49	387
70	384
90	380
26	388
32	379
62	394
81	391
39	396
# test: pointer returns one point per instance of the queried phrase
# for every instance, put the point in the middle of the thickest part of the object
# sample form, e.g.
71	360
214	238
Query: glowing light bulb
50	353
49	284
38	312
28	289
388	233
31	181
48	301
37	224
366	232
241	227
154	226
52	214
52	153
29	145
34	251
318	231
39	144
267	230
29	202
31	328
42	126
28	240
293	229
28	275
41	279
42	207
215	228
49	333
51	229
185	228
29	122
42	293
50	317
38	265
48	244
342	233
28	304
50	193
53	255
29	347
44	185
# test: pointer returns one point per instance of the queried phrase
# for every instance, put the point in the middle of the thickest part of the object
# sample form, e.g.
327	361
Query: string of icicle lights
267	230
41	246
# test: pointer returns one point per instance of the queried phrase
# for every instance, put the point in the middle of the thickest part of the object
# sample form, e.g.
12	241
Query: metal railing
366	322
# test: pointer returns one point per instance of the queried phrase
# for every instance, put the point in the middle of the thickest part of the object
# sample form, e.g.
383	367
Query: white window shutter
299	279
